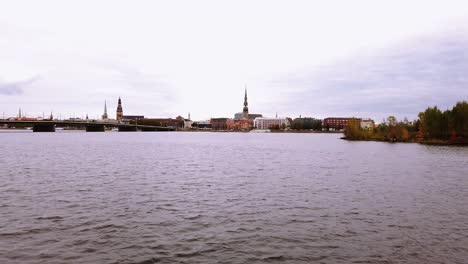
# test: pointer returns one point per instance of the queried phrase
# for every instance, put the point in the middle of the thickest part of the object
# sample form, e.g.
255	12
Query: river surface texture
75	197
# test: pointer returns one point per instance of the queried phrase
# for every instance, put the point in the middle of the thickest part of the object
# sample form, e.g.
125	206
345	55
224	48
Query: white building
188	123
367	124
267	123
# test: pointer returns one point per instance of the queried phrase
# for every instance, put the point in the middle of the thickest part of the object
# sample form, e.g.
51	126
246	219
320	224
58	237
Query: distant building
132	117
367	124
391	121
268	123
27	119
187	122
204	124
340	123
336	123
237	116
165	122
220	123
119	113
253	116
240	124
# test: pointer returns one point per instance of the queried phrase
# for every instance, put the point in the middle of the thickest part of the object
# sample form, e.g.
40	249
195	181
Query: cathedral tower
119	111
245	112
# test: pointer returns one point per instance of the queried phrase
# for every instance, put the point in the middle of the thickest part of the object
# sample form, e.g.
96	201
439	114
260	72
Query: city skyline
197	59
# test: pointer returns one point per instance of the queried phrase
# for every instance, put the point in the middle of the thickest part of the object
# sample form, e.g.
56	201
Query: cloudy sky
167	58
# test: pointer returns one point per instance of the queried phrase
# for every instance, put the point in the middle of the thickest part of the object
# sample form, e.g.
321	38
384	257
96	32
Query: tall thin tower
119	114
105	116
245	111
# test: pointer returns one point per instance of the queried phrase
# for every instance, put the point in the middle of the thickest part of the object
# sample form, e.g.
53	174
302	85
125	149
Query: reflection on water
74	197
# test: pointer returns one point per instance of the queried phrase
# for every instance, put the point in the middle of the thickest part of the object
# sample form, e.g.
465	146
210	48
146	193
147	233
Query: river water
75	197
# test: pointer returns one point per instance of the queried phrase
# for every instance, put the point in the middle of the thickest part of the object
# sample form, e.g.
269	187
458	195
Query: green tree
432	118
459	120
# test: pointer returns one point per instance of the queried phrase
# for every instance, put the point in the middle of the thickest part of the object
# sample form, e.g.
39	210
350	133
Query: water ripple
229	198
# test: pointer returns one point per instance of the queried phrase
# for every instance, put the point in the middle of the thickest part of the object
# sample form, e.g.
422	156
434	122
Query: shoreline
426	142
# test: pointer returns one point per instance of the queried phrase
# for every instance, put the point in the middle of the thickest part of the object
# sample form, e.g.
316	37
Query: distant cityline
240	122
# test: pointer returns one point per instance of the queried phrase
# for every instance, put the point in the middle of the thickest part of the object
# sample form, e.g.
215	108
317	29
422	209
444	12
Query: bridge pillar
44	128
94	128
127	129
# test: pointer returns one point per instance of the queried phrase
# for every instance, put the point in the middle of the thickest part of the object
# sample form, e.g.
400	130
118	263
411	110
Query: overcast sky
167	58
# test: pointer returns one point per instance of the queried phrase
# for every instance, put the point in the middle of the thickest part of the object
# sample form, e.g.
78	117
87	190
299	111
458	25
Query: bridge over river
91	126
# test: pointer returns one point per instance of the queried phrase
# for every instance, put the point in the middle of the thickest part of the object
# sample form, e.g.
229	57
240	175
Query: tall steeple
19	113
245	112
119	110
105	116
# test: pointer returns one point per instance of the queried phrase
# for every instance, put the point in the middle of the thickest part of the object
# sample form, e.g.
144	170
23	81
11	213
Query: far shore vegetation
432	127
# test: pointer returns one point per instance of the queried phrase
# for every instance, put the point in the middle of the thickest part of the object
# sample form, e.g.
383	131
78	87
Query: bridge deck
79	123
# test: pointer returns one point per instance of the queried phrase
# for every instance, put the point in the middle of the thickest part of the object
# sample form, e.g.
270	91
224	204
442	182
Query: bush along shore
432	127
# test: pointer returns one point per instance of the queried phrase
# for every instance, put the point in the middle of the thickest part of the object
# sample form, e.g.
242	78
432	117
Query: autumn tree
404	134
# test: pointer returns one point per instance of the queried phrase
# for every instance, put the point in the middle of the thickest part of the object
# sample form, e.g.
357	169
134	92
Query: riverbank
435	142
306	131
270	131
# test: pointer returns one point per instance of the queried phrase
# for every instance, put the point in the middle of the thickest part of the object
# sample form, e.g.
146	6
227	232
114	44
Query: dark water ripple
229	198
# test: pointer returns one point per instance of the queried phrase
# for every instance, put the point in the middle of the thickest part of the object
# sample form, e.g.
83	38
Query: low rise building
340	123
220	123
240	124
204	124
336	123
164	122
132	117
268	123
188	123
367	124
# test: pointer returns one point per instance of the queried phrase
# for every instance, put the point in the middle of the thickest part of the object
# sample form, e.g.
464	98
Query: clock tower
119	110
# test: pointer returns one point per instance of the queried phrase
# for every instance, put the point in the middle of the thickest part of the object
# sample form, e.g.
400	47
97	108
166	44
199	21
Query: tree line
432	125
306	123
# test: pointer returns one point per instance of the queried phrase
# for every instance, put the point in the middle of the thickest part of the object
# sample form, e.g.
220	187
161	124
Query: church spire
245	112
105	116
245	97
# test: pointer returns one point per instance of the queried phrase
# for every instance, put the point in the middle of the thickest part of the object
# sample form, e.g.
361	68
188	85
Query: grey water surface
174	197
